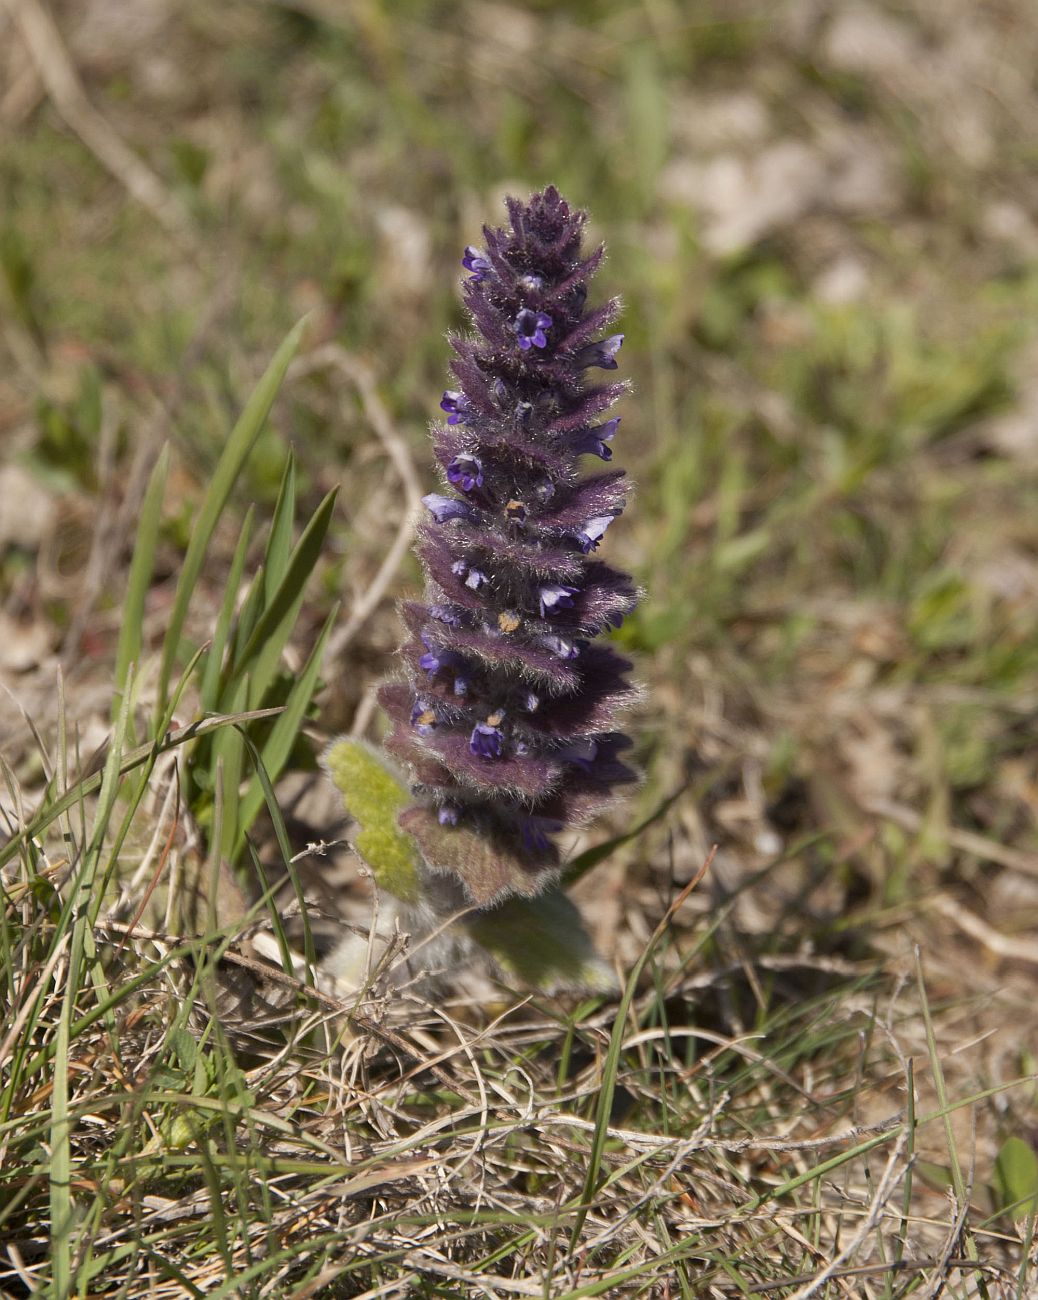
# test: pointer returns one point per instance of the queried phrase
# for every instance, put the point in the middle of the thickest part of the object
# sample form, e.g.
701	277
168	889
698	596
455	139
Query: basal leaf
374	795
1016	1178
543	943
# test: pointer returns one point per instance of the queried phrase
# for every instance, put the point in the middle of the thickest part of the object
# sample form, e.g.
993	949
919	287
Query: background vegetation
821	1079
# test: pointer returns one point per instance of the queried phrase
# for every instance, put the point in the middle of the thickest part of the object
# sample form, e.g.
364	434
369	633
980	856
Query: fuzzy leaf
1016	1178
543	943
374	795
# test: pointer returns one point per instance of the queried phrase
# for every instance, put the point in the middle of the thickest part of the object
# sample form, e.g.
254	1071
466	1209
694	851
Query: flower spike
507	718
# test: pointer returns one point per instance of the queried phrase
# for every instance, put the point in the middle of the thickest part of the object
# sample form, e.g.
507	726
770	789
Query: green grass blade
261	654
279	543
209	693
901	1240
141	569
226	761
274	916
936	1069
281	833
60	1164
278	745
236	451
81	949
251	609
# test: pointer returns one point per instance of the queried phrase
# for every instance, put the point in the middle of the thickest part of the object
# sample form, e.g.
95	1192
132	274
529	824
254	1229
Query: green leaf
240	443
374	795
279	543
141	569
278	745
185	1047
260	655
227	758
1016	1178
542	942
209	693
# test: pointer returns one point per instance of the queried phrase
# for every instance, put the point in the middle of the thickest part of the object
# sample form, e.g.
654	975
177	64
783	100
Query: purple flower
444	508
472	577
447	815
555	595
530	283
487	739
465	472
530	328
592	442
560	647
456	405
448	614
423	717
461	686
475	262
435	656
592	532
535	831
601	354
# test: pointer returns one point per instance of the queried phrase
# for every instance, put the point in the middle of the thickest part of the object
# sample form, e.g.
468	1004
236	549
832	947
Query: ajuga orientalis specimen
507	716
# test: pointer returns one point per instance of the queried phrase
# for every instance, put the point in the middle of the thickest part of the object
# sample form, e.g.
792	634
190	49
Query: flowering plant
505	716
